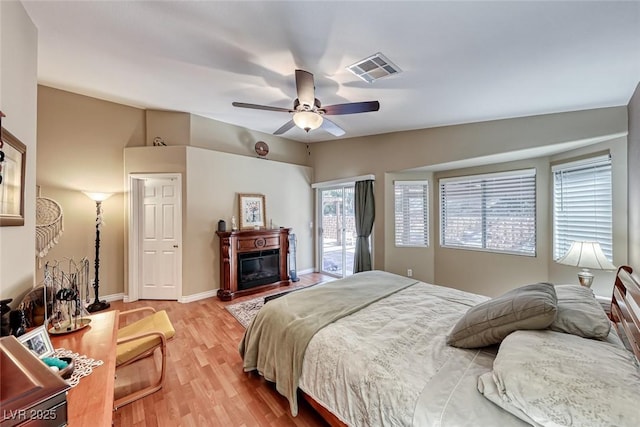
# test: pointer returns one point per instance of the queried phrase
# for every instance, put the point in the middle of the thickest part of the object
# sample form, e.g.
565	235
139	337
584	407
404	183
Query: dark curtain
365	214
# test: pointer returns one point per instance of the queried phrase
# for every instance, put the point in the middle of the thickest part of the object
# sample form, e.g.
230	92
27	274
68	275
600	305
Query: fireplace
252	261
258	268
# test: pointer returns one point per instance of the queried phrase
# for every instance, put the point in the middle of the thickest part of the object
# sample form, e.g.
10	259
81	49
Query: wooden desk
90	403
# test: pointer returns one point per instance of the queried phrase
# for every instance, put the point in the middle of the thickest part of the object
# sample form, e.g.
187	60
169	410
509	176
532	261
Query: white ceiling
462	61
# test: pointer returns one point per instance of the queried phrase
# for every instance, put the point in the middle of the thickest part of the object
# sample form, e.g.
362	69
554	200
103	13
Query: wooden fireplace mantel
233	243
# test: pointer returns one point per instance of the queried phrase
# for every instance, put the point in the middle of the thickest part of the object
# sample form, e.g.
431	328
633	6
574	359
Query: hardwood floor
205	383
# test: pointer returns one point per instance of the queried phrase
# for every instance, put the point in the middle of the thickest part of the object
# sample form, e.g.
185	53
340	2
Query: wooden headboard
625	308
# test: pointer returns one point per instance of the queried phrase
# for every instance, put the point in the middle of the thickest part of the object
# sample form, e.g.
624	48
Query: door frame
135	215
317	186
321	231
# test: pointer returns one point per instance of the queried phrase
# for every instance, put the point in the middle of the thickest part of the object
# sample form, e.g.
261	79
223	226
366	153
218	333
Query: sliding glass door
337	230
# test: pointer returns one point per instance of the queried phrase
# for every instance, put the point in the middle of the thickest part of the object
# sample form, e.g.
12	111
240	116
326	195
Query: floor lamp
98	305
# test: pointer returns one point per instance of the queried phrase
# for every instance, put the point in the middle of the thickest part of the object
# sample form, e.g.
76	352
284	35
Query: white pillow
557	379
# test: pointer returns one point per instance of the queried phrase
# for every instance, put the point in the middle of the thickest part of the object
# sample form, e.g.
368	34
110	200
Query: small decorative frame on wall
252	211
12	171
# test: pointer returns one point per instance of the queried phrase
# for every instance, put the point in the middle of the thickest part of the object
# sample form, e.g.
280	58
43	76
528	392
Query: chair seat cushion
158	321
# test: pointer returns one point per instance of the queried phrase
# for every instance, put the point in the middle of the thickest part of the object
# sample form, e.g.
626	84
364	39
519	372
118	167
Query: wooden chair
139	340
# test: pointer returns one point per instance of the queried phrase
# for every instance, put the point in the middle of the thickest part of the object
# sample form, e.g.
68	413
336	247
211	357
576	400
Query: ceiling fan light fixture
307	120
307	111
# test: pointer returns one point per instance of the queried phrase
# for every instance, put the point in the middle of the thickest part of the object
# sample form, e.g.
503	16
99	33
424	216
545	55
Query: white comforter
389	364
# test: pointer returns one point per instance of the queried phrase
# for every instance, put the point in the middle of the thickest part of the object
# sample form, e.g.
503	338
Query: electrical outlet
409	272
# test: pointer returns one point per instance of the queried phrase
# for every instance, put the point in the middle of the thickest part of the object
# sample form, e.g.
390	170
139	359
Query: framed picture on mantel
252	211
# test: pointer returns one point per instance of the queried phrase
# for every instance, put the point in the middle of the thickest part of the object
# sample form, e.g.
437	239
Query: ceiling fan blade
285	127
331	127
351	108
261	107
305	87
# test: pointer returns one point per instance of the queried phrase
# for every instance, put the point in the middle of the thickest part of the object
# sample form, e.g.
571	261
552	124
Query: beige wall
90	144
493	273
432	148
176	128
603	281
210	184
399	259
173	128
213	181
633	168
218	136
18	92
80	148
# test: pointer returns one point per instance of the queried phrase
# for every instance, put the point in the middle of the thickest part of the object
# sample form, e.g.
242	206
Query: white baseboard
198	296
307	271
112	297
186	298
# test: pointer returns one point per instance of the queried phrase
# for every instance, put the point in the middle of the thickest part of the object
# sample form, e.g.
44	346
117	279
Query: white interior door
160	239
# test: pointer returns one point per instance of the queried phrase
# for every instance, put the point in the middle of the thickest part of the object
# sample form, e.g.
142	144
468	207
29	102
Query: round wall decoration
262	148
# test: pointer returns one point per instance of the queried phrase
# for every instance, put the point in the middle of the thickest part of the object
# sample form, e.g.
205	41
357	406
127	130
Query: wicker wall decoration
49	225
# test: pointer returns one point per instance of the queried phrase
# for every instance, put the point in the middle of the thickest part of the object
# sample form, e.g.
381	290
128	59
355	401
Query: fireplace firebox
258	268
252	260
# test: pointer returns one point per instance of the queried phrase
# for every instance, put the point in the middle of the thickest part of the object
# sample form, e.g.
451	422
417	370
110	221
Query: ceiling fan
308	114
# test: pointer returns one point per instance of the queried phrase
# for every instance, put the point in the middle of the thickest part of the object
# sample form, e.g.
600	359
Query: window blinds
493	212
411	213
582	204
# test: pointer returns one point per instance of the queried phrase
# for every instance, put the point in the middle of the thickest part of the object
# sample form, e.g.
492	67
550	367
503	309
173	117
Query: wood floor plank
205	384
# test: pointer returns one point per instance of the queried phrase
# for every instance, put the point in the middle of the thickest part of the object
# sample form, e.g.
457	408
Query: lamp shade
586	255
98	197
307	120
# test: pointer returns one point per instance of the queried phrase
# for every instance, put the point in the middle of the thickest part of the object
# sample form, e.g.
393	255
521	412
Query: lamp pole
98	305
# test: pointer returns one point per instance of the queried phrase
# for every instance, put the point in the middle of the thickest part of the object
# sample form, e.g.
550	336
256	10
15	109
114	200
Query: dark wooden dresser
30	393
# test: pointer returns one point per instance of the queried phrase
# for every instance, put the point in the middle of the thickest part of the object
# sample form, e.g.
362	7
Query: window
493	212
582	204
412	213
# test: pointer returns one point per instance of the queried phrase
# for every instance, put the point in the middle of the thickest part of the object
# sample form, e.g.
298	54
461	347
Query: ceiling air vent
373	68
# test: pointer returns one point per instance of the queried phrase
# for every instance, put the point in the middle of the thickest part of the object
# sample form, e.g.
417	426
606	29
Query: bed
380	349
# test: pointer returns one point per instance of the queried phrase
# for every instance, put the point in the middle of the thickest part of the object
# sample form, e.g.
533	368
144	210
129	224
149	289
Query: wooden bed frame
625	308
331	419
624	315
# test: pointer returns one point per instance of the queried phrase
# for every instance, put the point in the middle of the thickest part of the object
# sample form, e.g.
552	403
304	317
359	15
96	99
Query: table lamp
586	255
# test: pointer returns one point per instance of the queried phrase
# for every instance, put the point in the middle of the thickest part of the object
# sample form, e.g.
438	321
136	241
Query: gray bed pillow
579	313
527	307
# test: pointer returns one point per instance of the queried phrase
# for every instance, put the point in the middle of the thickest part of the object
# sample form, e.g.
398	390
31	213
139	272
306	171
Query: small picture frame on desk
252	211
38	342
